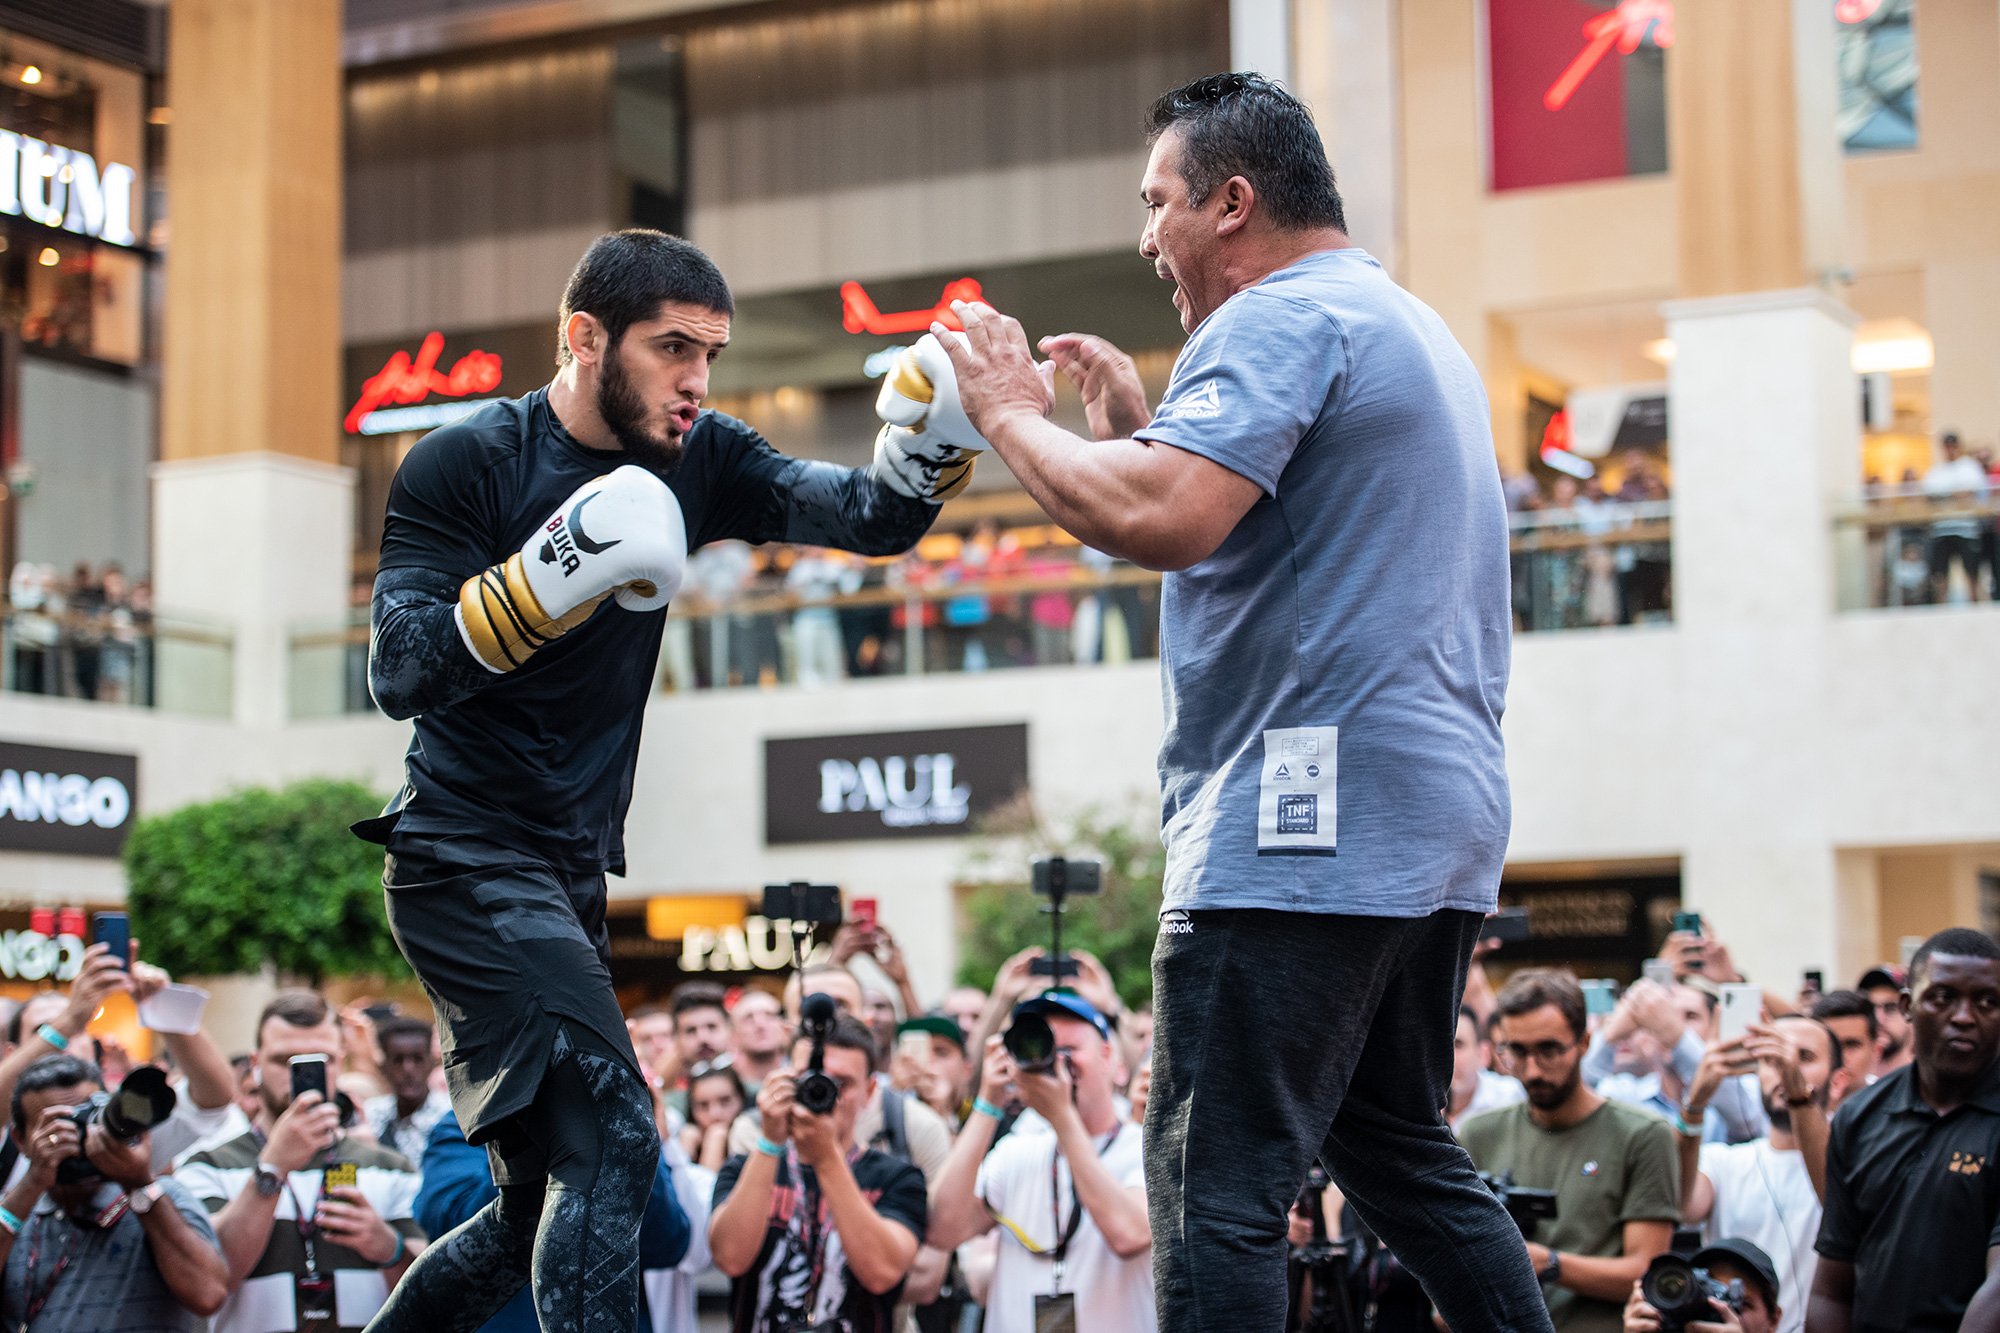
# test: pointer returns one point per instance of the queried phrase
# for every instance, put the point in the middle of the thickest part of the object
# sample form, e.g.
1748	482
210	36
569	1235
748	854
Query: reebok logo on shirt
1199	405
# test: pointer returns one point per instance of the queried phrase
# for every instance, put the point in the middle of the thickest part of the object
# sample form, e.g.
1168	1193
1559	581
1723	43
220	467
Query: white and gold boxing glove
620	535
920	465
920	393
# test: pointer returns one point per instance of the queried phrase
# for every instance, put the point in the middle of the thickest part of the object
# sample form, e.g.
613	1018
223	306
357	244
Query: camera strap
72	1242
815	1223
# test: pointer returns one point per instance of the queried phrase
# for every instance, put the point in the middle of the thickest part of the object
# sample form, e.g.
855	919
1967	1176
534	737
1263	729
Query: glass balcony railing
1902	547
1601	564
176	663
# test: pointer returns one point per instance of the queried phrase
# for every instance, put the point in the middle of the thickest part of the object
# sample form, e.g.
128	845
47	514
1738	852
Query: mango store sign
78	802
64	188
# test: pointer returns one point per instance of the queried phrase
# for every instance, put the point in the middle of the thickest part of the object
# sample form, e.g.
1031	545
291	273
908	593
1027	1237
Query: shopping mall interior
1728	272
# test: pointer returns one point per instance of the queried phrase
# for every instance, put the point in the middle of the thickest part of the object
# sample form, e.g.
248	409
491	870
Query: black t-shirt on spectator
1913	1202
780	1282
542	761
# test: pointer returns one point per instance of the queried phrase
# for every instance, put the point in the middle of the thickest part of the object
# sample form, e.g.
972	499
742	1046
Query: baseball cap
1065	1004
936	1025
1740	1253
1888	974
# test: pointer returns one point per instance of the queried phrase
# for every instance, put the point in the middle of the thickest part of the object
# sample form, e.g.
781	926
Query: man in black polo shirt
1911	1237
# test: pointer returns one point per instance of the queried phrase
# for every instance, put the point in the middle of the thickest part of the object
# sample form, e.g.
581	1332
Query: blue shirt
1355	624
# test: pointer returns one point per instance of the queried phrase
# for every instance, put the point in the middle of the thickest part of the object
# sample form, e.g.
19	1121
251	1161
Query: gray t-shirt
111	1283
1336	670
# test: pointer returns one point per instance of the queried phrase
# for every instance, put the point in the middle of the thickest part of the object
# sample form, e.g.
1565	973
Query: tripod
1318	1271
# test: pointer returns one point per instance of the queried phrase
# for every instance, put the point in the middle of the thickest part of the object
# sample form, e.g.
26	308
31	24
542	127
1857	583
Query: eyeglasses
1542	1052
1894	1006
714	1066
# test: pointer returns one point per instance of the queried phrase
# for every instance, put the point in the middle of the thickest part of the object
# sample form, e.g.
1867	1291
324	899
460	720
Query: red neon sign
404	381
1625	27
859	315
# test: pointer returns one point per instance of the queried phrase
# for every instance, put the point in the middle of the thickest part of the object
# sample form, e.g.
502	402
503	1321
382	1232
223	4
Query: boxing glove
920	392
920	465
620	535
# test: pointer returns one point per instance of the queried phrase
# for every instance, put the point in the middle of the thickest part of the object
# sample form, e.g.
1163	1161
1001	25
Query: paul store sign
895	784
64	188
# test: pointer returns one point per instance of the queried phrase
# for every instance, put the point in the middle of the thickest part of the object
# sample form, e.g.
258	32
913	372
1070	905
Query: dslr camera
814	1090
1032	1043
1683	1293
1526	1206
142	1101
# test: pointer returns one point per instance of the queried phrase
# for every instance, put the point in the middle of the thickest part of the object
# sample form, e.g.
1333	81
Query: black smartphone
1815	981
308	1075
800	901
114	931
1052	967
1058	876
1509	925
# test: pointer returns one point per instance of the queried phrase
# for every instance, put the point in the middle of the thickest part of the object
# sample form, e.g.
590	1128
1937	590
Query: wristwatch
269	1182
1552	1272
142	1201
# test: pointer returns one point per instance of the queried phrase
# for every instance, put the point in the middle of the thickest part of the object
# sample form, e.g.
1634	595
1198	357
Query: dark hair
402	1025
52	1071
1957	942
1466	1013
1535	988
698	995
299	1008
1244	124
718	1070
654	1010
1845	1004
1832	1041
626	276
848	1033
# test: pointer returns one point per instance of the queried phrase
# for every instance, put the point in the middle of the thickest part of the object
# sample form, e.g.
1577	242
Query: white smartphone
1659	971
1742	1005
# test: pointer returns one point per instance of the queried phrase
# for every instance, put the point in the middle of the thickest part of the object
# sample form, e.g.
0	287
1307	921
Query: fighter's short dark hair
626	276
51	1071
1243	124
1957	942
1535	988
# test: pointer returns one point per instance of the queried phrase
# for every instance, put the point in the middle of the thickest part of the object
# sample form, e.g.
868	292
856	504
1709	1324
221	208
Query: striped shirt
267	1300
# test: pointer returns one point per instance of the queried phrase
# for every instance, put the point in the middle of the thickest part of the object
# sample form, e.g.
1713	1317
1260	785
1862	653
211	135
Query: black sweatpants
1285	1035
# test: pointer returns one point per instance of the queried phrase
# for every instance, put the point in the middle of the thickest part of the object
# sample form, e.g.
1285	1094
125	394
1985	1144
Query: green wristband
768	1148
983	1107
54	1038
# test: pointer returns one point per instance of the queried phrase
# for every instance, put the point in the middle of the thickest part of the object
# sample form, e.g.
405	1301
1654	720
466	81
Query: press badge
1297	796
1055	1314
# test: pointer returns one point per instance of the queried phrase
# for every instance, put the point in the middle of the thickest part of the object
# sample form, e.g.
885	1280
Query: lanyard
1064	1234
813	1227
71	1242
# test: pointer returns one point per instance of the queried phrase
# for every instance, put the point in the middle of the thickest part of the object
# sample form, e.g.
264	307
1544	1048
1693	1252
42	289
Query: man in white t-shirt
1072	1202
1955	480
1767	1190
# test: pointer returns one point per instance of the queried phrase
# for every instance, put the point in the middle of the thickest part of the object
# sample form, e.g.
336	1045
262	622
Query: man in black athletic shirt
526	553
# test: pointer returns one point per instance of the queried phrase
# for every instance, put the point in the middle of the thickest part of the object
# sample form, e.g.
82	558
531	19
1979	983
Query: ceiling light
49	257
1660	350
160	115
31	74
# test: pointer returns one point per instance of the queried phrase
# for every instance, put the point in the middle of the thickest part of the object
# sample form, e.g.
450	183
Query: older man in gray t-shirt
1319	482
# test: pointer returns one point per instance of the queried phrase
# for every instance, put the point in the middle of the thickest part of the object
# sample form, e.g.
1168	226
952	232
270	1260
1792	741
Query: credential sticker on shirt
1297	795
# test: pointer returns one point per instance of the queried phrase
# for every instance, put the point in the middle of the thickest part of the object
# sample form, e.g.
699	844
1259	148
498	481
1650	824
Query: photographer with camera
1725	1287
297	1205
817	1233
1612	1167
1073	1203
91	1240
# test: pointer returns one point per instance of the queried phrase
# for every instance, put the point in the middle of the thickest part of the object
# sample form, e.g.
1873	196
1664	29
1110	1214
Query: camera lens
1031	1041
816	1092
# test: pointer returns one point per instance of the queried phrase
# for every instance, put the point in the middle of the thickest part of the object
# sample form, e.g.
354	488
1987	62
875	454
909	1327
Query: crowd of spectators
1830	1166
1921	557
1577	559
813	616
85	636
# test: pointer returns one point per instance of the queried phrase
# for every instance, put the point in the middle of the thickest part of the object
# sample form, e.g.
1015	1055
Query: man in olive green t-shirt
1614	1168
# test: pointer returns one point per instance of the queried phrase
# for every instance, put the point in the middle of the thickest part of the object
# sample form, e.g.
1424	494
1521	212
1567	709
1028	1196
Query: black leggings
576	1235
